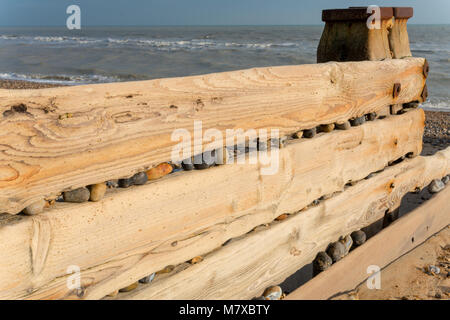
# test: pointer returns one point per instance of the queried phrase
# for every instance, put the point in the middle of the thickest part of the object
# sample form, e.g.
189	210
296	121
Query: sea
110	54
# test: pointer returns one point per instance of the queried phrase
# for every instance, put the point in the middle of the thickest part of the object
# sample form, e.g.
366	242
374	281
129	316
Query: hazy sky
200	12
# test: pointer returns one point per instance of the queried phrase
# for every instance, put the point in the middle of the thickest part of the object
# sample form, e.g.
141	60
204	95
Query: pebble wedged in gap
125	183
167	269
159	171
97	191
139	178
358	237
336	251
371	116
347	242
357	121
196	260
436	186
148	279
326	127
446	179
188	164
222	156
281	217
129	288
112	183
310	133
261	145
77	196
298	135
276	143
343	125
35	208
273	293
205	160
176	167
321	263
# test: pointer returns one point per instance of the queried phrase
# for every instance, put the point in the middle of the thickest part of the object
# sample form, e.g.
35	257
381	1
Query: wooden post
398	37
347	37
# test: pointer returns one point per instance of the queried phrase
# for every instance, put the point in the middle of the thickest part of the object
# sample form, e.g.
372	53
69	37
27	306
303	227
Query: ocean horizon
99	54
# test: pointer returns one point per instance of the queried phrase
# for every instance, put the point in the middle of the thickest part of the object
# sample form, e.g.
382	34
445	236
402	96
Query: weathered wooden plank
402	236
243	269
75	136
136	231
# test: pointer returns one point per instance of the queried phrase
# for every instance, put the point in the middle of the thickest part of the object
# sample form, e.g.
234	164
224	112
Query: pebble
298	135
167	269
205	160
261	145
112	183
78	195
433	270
278	143
347	242
357	121
326	127
187	164
273	293
321	263
125	183
358	237
140	178
310	133
97	191
371	116
446	179
281	217
223	155
436	186
159	171
336	251
35	208
129	288
343	125
196	260
148	279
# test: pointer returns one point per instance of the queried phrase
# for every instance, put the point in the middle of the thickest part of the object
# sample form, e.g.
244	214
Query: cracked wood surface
134	232
61	138
244	268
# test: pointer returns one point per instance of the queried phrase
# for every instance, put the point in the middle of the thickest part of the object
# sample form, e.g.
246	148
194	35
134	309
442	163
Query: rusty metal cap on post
354	13
403	12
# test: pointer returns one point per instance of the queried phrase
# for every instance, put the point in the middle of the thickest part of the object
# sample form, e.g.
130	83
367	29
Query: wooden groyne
349	150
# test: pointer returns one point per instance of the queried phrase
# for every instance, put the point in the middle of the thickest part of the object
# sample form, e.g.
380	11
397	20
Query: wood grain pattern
134	232
75	136
244	268
399	40
402	236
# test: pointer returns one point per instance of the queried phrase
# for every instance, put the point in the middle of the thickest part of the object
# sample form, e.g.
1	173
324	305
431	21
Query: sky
200	12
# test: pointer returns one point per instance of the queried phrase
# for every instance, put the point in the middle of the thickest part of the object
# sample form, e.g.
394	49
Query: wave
171	44
69	79
436	105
